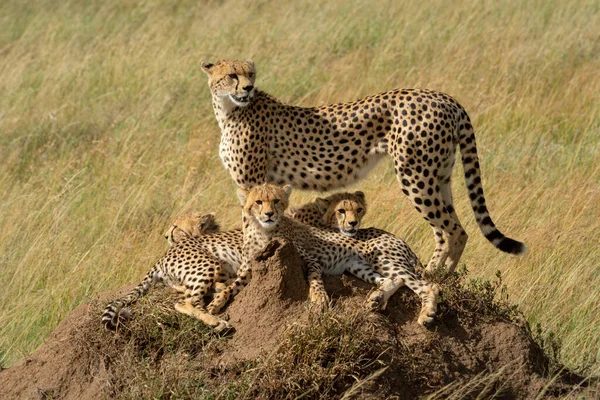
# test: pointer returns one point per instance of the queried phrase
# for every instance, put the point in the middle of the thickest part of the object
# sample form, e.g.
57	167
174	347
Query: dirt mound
276	296
478	348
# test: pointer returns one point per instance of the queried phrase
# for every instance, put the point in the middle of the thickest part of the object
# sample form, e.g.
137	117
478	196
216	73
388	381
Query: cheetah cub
389	255
324	250
200	257
342	211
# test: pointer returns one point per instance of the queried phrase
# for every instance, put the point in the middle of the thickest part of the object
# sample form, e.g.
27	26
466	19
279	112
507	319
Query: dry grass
163	354
106	133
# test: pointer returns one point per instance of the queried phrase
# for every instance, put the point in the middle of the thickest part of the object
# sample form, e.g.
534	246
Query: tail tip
512	246
109	324
111	321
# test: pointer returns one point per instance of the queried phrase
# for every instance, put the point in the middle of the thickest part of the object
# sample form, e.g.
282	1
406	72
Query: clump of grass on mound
489	300
323	359
158	353
476	297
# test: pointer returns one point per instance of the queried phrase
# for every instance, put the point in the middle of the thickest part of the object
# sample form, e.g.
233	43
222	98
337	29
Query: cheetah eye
251	75
276	201
359	210
259	202
232	76
341	211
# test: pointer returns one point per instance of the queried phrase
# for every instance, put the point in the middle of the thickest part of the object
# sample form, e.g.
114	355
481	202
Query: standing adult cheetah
327	147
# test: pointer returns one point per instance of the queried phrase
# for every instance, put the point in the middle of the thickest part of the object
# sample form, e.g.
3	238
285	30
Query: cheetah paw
376	301
426	319
319	301
223	327
214	307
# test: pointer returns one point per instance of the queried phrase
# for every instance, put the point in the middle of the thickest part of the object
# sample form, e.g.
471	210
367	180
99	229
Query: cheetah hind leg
428	292
431	207
378	300
190	306
386	287
223	281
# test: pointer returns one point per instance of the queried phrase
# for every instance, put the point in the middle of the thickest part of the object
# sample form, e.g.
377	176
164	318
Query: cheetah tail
470	162
114	310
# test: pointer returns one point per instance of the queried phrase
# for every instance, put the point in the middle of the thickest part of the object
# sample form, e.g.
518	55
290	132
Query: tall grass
107	133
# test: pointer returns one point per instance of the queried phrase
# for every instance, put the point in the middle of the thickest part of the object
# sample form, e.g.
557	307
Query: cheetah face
192	225
265	203
231	80
343	211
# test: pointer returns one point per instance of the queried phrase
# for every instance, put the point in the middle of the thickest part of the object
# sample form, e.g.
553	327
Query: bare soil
172	355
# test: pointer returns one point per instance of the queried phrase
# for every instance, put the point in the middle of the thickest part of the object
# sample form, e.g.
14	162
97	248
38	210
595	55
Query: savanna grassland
107	133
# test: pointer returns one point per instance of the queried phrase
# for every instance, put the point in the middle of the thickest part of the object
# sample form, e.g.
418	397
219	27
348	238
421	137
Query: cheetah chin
349	233
240	101
268	224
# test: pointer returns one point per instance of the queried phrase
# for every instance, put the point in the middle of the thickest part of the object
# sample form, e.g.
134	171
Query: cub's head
192	225
265	203
231	80
343	211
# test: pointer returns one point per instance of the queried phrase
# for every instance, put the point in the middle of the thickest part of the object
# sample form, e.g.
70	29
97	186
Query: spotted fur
200	258
331	146
324	250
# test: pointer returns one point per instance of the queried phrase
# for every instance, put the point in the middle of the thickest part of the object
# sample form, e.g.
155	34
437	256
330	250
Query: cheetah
386	253
331	146
343	211
200	257
324	250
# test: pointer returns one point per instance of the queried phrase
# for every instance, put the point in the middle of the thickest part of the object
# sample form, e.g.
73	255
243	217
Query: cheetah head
265	203
231	80
343	211
194	224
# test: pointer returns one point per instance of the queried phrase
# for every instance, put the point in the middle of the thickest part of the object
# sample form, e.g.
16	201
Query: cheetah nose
248	88
269	214
353	223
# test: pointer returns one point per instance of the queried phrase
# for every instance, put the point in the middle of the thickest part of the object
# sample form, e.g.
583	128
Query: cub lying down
200	257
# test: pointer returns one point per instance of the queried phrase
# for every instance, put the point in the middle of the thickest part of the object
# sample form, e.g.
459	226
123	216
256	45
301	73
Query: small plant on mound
323	359
476	297
158	353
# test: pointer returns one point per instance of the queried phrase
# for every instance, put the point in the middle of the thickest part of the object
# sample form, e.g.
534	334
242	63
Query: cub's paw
319	301
223	327
217	304
376	301
426	318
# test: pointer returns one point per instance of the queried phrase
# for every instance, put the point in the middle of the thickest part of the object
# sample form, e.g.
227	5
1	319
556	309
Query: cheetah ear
359	194
206	67
242	195
207	222
250	63
322	204
287	189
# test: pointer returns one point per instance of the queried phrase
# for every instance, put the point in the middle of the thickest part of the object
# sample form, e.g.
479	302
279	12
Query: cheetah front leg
317	292
244	275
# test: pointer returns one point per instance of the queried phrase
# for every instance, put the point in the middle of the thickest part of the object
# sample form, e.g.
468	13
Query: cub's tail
115	311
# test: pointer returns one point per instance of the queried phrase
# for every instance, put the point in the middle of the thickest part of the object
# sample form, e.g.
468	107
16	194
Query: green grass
107	133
